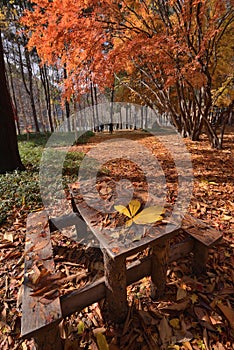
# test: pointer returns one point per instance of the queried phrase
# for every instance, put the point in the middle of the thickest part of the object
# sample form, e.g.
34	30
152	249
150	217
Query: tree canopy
169	54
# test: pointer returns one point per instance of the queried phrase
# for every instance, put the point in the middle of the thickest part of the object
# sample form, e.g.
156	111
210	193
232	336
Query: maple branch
138	16
144	98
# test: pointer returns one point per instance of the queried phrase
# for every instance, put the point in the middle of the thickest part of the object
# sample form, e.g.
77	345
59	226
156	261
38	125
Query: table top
113	235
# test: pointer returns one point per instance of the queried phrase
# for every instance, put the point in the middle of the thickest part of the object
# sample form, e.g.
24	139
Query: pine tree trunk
9	153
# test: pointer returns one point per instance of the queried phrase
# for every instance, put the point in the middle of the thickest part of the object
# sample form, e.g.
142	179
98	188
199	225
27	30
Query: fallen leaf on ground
165	331
228	313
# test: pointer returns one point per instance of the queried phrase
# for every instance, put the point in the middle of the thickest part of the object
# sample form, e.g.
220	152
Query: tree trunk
96	104
11	84
46	87
30	89
9	153
93	107
67	106
30	76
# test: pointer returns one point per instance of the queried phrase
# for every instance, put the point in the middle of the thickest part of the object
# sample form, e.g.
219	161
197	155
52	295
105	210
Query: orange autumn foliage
173	39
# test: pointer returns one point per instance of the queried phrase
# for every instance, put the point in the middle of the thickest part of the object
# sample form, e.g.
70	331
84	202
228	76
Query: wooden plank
200	231
83	297
36	315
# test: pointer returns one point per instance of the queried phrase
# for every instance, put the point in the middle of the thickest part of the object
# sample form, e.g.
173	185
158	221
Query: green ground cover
19	190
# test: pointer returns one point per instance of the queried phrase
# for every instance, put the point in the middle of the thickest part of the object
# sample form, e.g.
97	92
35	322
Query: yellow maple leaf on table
146	216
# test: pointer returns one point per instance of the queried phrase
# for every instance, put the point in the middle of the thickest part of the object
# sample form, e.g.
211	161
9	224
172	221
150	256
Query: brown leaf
147	318
205	339
200	313
203	318
49	296
9	236
40	245
165	331
38	278
177	306
181	294
40	292
34	277
228	313
183	336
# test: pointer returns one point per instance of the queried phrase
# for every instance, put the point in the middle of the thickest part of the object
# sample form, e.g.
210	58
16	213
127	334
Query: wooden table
116	249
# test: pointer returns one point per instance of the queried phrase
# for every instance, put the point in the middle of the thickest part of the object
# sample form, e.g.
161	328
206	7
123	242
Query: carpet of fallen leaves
195	312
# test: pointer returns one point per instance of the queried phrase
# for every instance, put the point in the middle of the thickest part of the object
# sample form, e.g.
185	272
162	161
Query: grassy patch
19	191
85	137
71	165
36	139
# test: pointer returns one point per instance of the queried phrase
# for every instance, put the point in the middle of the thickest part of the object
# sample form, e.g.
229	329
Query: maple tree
164	52
223	91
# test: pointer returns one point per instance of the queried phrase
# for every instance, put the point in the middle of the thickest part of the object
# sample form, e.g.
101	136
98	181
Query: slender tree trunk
39	105
9	153
93	107
22	109
11	84
67	106
30	89
112	102
46	86
29	67
96	103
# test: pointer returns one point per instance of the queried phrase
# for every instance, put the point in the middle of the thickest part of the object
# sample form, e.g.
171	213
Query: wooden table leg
116	295
200	257
159	263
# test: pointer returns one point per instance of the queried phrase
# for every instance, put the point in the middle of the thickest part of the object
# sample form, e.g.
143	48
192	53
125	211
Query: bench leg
200	258
81	231
81	228
159	263
116	295
49	338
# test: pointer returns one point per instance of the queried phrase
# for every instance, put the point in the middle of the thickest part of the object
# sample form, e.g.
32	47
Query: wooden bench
40	320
